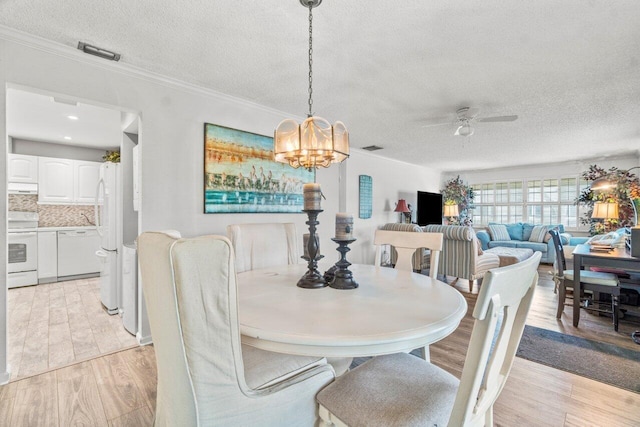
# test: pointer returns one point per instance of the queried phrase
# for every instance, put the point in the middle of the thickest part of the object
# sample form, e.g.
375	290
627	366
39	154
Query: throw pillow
499	232
538	233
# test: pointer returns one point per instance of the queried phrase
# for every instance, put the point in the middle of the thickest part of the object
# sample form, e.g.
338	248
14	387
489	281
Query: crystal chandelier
315	142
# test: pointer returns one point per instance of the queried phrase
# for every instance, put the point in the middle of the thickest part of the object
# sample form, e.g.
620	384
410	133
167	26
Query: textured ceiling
570	70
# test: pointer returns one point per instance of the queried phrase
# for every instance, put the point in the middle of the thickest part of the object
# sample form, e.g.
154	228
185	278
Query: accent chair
205	376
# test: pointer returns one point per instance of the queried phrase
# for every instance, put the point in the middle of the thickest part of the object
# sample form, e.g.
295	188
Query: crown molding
71	53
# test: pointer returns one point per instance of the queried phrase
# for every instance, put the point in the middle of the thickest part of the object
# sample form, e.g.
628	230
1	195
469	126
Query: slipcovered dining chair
406	244
404	390
205	376
594	281
263	245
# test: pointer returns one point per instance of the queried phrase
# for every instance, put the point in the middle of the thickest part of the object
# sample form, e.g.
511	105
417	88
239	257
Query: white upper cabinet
65	181
55	183
86	179
23	168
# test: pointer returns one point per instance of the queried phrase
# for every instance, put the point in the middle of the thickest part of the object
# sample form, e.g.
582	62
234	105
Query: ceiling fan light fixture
465	130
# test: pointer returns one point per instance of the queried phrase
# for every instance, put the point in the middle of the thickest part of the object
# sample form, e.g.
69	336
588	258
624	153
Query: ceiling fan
465	116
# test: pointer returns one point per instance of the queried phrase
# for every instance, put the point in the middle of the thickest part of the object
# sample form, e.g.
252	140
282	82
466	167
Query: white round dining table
391	311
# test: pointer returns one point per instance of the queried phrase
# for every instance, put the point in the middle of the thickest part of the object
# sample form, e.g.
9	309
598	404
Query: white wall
171	143
392	180
50	149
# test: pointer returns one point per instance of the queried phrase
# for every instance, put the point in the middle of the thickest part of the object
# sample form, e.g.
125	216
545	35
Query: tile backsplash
53	215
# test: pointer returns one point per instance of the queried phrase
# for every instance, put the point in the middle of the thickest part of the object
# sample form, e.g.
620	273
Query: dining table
390	311
585	256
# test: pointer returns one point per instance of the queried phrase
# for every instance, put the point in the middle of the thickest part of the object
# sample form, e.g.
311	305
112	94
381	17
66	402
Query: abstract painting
366	204
240	175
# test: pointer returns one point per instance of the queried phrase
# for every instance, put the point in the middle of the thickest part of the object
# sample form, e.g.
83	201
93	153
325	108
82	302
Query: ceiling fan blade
436	124
499	119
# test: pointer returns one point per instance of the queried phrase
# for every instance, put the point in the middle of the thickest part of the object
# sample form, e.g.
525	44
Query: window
537	201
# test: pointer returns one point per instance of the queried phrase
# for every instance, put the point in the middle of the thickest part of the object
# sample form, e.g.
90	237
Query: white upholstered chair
406	245
263	245
205	376
403	390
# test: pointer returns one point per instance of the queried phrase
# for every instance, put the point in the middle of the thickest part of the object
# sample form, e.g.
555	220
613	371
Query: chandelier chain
310	59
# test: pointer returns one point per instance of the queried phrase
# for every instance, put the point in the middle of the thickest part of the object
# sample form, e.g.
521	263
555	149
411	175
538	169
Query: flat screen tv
429	208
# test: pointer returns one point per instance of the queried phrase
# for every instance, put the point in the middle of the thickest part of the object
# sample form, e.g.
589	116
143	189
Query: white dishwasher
77	253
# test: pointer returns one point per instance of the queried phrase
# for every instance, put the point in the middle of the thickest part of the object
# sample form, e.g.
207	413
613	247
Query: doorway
56	150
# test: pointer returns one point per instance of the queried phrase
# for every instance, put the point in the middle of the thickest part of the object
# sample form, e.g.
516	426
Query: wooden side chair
406	244
400	389
594	281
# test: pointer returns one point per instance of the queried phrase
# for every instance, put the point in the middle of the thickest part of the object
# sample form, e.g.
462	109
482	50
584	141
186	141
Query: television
429	208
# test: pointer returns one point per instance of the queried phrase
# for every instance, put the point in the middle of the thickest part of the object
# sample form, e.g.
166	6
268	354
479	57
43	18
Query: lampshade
314	143
602	210
451	210
401	206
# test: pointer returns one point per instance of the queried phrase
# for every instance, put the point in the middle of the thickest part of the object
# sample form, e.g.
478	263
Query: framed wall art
240	175
366	197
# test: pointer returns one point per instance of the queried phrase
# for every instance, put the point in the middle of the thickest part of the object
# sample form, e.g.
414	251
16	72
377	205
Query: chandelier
315	142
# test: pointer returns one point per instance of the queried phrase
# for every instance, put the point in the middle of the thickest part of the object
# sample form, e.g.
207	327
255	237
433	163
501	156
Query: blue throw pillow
516	231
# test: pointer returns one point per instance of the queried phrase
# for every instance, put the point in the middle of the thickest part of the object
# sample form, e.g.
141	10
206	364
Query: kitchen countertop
88	227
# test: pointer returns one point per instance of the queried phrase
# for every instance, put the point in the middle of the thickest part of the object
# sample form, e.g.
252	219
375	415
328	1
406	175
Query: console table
583	256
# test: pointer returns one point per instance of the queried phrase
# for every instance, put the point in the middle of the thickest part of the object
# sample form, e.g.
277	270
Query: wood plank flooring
58	324
119	389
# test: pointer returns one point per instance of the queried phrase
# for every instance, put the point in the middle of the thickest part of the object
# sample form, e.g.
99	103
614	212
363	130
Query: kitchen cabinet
66	181
86	177
22	168
47	256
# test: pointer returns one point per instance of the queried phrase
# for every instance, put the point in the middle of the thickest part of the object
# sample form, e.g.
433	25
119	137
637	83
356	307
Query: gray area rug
598	361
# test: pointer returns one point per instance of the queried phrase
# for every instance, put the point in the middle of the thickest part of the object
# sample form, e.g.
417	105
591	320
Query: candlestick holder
343	277
312	279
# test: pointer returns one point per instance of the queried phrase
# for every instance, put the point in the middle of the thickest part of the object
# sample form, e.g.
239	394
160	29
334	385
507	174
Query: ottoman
510	256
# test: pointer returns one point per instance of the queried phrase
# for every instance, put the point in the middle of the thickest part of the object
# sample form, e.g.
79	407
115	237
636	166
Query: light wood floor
119	389
57	324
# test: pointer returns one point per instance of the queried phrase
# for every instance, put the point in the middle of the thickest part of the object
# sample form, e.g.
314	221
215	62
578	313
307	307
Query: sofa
461	256
523	235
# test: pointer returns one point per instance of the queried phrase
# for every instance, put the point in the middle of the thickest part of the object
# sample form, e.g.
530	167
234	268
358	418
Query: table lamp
402	207
605	211
451	210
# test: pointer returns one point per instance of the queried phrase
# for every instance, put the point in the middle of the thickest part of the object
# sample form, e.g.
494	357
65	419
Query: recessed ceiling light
72	117
68	138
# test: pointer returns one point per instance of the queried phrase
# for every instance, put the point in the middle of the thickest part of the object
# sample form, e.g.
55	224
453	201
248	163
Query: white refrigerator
108	217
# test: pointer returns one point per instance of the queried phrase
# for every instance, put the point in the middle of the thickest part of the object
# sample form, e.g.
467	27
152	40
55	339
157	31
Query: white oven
22	250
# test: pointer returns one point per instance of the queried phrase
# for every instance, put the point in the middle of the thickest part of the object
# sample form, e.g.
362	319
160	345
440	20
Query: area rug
599	361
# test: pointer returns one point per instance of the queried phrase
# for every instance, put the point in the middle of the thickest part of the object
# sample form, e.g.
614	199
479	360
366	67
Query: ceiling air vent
372	148
97	51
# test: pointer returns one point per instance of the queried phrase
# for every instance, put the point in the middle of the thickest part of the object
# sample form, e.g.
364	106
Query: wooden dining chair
594	281
205	375
405	244
402	390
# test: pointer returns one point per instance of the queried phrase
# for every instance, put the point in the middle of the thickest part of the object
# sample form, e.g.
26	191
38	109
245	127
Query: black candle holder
342	276
312	279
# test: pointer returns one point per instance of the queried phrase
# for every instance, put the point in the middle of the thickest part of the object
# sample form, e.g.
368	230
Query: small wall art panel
366	197
240	175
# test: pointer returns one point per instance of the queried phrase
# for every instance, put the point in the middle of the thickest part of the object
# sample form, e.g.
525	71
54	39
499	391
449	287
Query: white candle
312	195
344	226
